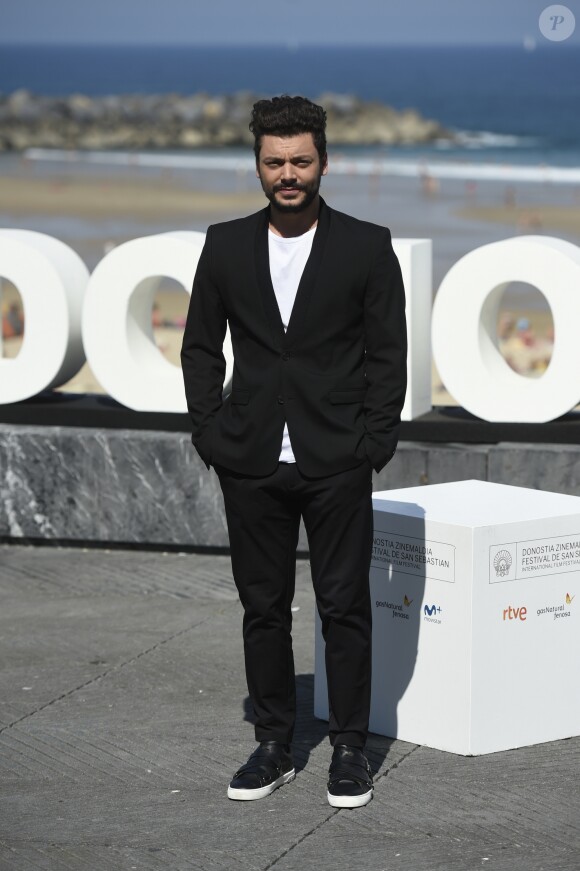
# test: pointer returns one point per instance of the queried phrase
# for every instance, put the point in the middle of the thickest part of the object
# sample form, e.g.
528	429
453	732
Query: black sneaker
269	767
350	782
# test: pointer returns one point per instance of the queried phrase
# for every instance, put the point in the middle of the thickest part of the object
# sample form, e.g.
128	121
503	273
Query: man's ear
325	164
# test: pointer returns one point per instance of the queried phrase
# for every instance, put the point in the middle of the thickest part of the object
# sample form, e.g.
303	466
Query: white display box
475	600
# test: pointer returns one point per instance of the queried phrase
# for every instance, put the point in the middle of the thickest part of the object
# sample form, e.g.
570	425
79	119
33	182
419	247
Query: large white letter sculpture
117	330
117	327
415	258
464	330
51	279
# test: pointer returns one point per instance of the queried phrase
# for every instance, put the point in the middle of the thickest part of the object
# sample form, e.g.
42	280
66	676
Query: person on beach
315	303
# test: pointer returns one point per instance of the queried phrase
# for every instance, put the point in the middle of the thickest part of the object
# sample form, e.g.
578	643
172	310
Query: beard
310	190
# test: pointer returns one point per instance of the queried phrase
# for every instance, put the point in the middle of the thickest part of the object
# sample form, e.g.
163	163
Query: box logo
407	555
395	608
557	611
534	558
432	613
502	563
512	613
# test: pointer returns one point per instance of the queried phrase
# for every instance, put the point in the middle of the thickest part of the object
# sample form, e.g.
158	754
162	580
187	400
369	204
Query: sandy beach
112	197
94	208
532	219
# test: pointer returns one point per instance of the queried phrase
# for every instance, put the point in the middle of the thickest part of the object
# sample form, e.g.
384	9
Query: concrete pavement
123	715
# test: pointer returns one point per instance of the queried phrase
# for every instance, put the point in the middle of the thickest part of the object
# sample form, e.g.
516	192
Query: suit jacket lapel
262	259
307	281
309	276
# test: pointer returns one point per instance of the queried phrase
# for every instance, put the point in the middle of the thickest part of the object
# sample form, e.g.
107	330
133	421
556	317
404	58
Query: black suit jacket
337	376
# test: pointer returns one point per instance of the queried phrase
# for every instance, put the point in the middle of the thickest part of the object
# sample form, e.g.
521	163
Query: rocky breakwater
136	121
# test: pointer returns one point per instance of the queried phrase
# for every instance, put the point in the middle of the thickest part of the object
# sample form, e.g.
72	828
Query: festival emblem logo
502	563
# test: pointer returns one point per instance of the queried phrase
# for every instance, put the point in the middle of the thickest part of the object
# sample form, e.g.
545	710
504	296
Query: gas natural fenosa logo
395	608
559	611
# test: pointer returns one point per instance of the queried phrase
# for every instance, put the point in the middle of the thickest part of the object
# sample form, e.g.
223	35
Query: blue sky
275	22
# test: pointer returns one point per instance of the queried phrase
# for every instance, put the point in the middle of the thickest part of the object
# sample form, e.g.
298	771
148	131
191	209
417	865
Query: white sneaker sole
261	792
349	800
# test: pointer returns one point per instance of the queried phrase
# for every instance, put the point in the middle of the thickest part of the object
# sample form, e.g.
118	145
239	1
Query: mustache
286	187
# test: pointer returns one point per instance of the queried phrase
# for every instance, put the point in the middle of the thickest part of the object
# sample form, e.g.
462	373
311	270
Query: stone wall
78	121
133	487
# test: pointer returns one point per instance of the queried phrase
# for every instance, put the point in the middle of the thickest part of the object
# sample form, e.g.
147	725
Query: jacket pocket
240	397
339	397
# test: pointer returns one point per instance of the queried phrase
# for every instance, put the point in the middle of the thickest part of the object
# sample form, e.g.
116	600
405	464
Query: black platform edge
443	424
95	544
100	411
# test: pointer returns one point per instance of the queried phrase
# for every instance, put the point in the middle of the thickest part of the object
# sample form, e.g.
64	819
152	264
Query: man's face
289	170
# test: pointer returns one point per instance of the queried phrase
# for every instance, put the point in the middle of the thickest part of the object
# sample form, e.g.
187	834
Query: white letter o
464	330
117	327
51	279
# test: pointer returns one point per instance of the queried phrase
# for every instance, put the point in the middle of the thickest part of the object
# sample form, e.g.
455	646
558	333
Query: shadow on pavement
311	732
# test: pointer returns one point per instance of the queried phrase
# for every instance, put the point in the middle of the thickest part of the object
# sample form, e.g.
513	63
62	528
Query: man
315	304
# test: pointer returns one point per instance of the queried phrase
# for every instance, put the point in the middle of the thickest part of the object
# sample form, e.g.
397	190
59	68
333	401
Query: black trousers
263	517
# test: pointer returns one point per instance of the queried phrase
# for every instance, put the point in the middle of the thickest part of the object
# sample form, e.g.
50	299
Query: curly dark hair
288	116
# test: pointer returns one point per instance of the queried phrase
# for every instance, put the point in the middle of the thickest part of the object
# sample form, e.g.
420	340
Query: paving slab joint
301	840
333	814
105	673
397	764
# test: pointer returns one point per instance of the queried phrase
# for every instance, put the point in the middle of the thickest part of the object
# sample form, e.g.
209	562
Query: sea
516	109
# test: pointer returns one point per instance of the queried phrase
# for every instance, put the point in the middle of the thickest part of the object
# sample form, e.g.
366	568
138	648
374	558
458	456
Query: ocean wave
342	163
489	139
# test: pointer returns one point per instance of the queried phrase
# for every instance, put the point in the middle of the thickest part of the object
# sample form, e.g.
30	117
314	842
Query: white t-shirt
288	256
